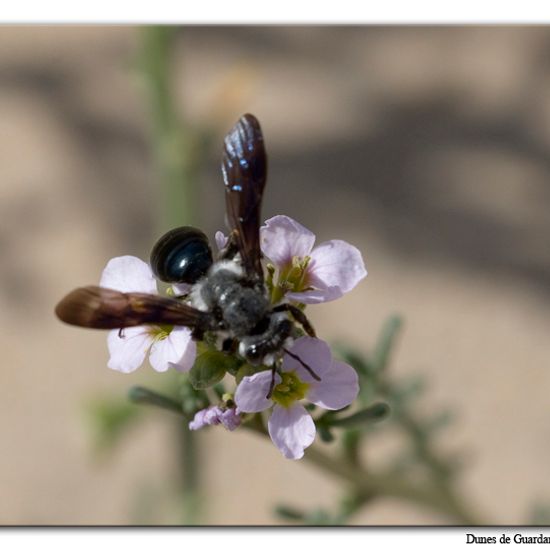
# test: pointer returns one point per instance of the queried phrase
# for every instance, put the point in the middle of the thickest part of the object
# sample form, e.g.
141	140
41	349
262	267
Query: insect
228	297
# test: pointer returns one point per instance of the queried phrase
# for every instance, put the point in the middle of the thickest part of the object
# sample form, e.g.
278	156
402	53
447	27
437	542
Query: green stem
368	486
190	476
176	162
364	486
420	441
174	147
351	440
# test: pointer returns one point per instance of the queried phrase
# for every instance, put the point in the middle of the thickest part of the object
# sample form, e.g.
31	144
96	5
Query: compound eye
182	255
252	353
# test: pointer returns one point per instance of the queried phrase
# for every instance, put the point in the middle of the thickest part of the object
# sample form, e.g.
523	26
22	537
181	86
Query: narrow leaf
376	412
145	396
386	341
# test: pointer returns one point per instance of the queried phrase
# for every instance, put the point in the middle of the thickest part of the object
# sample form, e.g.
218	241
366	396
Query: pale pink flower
333	268
211	416
290	426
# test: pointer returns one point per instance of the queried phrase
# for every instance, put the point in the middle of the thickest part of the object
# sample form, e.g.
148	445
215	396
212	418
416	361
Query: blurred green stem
173	143
363	486
176	165
367	486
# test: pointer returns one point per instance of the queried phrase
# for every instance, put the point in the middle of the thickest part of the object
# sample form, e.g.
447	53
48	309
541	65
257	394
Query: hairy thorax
238	306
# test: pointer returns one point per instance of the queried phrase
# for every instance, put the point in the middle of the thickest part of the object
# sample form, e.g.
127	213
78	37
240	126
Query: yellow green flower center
292	278
289	390
160	332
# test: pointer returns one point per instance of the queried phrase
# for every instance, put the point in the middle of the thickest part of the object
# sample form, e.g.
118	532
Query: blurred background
428	148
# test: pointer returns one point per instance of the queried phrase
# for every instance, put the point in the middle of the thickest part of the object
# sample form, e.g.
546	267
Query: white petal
281	238
292	430
336	264
317	296
337	389
251	393
128	348
315	353
128	274
176	351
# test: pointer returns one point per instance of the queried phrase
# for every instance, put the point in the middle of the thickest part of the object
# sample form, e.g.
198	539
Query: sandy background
428	148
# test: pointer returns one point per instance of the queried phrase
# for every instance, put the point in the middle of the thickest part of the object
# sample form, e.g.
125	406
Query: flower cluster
298	273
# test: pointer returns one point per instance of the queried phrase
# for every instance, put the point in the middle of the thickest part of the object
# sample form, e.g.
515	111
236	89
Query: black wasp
228	297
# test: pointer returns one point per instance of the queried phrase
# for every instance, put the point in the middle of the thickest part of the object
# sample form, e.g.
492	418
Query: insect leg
299	316
272	385
197	333
231	249
305	365
230	345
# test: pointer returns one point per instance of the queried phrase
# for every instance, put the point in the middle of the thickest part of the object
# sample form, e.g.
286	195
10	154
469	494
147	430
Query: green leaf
110	419
325	434
375	412
404	392
385	343
233	365
351	441
209	368
319	517
192	400
350	504
145	396
352	357
289	513
539	514
219	389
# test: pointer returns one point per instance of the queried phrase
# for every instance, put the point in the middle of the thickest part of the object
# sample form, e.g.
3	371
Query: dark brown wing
244	167
97	307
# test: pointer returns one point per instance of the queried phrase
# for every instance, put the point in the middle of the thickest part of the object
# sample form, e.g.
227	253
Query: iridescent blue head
182	255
